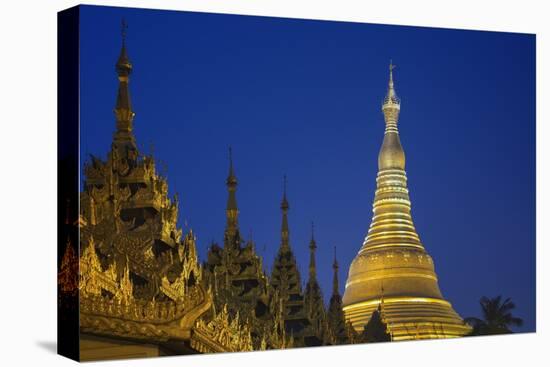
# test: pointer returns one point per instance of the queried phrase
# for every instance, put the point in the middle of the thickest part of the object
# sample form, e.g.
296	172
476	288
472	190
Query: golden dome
392	267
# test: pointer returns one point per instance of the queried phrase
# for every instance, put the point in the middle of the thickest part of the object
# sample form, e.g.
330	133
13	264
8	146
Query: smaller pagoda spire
123	64
231	183
231	210
312	248
336	319
284	226
284	202
335	283
231	179
124	138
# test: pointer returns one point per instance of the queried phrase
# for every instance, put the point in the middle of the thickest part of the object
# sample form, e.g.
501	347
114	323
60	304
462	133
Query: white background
28	180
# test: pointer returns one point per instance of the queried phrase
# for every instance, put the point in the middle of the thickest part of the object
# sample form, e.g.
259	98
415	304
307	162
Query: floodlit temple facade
136	280
392	271
140	287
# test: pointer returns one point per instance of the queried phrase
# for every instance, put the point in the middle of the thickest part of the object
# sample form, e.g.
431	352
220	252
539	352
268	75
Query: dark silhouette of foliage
497	317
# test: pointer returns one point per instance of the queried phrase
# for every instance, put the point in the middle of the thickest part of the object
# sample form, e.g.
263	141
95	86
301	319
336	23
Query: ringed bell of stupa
392	271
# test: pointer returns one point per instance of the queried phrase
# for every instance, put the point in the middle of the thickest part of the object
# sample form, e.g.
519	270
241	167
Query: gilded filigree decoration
68	273
230	333
140	276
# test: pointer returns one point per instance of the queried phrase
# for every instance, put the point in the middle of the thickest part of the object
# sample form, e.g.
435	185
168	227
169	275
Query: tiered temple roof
140	278
314	303
286	281
335	314
236	275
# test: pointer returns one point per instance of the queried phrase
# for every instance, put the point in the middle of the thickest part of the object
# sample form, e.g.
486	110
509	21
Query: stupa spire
313	296
284	226
335	283
392	222
286	280
232	211
391	105
231	176
312	248
336	319
124	138
392	266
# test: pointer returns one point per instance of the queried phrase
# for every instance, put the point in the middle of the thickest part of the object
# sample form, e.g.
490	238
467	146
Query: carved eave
139	171
203	343
154	322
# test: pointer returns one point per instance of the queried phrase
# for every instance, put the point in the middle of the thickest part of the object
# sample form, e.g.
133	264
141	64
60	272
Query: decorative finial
392	66
231	179
230	161
312	244
123	64
391	100
284	203
335	283
284	225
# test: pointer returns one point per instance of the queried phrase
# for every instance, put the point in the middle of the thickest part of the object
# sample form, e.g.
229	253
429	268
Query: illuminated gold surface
140	278
392	264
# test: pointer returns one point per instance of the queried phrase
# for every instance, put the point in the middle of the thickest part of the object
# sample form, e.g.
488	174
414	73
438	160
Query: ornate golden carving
140	277
68	273
231	334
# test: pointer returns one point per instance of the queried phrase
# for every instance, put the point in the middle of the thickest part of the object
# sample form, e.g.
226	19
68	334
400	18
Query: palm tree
497	317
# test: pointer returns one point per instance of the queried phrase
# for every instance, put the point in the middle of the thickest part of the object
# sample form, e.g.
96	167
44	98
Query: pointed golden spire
391	96
335	283
392	224
284	202
312	248
392	265
231	179
391	105
391	154
232	211
123	64
124	138
284	226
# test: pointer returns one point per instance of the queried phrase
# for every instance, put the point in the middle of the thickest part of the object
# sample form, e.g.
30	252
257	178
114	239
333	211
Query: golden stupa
392	270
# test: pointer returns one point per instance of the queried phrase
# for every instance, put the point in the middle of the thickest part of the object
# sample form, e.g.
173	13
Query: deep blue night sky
303	98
